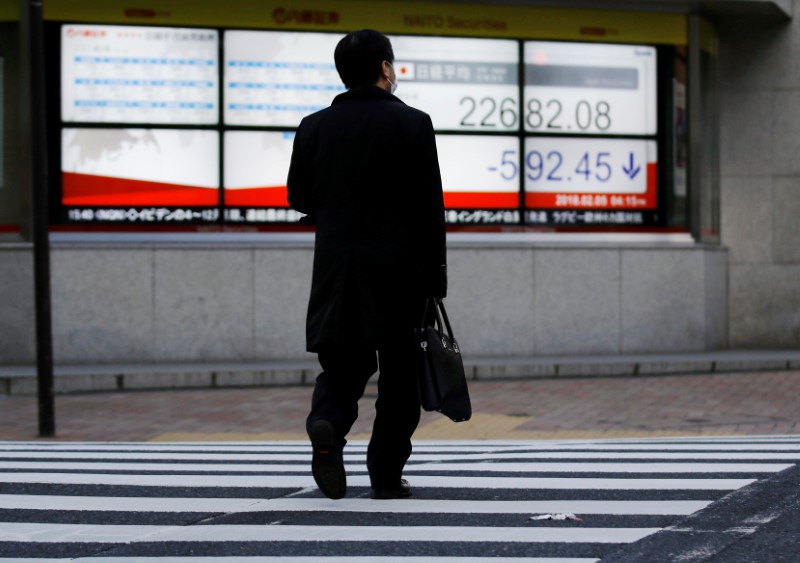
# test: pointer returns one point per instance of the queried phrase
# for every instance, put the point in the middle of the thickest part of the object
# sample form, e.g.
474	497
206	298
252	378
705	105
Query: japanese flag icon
404	71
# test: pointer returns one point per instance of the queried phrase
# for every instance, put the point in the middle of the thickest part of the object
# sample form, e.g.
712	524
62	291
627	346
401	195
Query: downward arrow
631	170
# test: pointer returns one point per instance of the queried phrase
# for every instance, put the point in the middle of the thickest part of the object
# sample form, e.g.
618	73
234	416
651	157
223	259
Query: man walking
366	172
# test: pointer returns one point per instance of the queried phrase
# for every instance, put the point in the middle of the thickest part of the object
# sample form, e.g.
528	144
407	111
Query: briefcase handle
440	319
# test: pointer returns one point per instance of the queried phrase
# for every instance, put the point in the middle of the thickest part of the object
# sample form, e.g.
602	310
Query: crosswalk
524	501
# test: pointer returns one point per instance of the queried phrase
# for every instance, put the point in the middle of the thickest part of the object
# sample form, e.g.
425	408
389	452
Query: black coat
366	172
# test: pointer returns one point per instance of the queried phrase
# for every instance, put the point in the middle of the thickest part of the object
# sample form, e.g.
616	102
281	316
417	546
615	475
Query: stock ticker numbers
551	115
571	88
591	173
579	104
179	125
463	84
576	165
488	112
139	75
600	167
581	173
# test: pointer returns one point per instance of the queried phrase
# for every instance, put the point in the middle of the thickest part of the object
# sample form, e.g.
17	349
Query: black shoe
327	464
403	490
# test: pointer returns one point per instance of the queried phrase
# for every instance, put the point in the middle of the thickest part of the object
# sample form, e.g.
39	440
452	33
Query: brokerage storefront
579	151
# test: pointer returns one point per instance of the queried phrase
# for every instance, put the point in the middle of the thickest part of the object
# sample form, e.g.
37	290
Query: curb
21	380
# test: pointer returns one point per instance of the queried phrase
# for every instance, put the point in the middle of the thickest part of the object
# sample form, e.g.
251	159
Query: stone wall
237	302
760	179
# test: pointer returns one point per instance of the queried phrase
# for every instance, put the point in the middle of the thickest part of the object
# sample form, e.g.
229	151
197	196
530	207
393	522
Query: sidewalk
744	403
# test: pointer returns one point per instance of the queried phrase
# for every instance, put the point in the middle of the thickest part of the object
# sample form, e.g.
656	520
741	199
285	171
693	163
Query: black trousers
346	369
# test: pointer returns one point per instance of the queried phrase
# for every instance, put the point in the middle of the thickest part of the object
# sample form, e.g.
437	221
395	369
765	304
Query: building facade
620	179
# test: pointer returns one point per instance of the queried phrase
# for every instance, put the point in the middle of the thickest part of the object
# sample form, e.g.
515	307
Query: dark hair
359	56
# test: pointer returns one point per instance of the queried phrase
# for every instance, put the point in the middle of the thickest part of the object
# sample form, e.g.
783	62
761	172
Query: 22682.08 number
551	115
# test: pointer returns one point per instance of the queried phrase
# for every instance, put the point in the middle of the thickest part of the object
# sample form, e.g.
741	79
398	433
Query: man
365	171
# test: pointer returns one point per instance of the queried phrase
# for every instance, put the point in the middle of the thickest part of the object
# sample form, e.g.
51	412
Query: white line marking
616	455
131	504
410	506
554	467
415	457
80	533
168	467
300	481
141	456
626	508
687	446
421	446
274	447
608	467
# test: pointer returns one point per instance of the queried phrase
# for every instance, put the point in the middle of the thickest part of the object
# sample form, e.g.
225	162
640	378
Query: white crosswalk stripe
139	504
256	501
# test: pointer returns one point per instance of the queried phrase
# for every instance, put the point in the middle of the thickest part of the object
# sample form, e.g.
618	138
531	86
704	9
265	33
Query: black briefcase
440	371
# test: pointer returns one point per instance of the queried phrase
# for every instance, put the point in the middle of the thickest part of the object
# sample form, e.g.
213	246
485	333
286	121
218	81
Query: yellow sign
9	10
418	18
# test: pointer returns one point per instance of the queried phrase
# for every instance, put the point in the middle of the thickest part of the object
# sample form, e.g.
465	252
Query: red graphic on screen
88	189
563	200
481	200
267	196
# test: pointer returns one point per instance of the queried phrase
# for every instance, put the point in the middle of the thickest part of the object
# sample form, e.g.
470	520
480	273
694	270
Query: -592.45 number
588	165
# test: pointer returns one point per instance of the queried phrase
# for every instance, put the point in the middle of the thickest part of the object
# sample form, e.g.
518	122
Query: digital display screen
276	78
575	88
2	133
479	178
463	84
116	168
120	74
529	133
602	175
256	167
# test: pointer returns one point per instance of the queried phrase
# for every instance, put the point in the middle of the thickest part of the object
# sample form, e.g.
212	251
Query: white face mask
392	85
